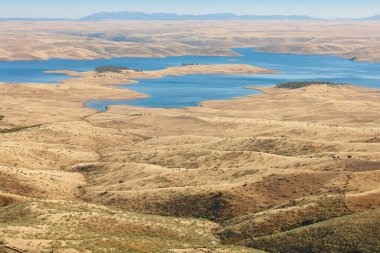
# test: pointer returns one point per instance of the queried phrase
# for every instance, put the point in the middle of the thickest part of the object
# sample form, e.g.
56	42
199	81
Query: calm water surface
182	91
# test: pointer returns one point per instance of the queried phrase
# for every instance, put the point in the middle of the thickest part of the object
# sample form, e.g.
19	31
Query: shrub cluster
114	69
302	84
16	129
189	64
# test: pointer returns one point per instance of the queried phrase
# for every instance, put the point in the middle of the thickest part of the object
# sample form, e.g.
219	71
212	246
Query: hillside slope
265	171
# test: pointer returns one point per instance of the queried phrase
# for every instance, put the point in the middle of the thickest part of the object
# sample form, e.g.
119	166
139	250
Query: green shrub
297	85
114	69
16	129
189	64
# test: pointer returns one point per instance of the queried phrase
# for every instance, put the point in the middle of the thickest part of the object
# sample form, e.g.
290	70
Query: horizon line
194	15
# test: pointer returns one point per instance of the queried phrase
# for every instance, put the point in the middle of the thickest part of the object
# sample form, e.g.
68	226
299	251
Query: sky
78	8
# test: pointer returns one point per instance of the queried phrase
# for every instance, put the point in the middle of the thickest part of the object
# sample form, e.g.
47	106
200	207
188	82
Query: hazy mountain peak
128	15
376	17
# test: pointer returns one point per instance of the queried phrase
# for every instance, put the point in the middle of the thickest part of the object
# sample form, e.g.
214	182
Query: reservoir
183	91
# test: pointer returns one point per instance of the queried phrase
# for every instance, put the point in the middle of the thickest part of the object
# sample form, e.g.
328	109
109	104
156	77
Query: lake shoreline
219	78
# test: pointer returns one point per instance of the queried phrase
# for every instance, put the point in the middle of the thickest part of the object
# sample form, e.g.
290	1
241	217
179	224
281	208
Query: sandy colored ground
90	40
107	178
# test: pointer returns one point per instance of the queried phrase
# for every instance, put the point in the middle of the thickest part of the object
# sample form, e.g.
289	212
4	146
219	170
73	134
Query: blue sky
79	8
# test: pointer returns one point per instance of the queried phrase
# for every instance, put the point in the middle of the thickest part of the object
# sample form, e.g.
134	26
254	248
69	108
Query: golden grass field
90	40
285	171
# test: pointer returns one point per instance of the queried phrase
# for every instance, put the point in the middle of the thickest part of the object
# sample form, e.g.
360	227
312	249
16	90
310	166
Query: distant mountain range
376	17
127	15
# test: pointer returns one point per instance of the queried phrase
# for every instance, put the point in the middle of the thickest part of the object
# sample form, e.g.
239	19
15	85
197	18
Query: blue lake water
182	91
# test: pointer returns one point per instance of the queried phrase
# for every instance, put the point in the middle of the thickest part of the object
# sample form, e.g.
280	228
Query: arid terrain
90	40
289	170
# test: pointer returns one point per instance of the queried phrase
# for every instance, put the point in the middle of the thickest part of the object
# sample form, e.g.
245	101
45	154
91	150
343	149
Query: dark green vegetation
114	69
208	206
353	58
189	64
297	85
351	233
16	129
